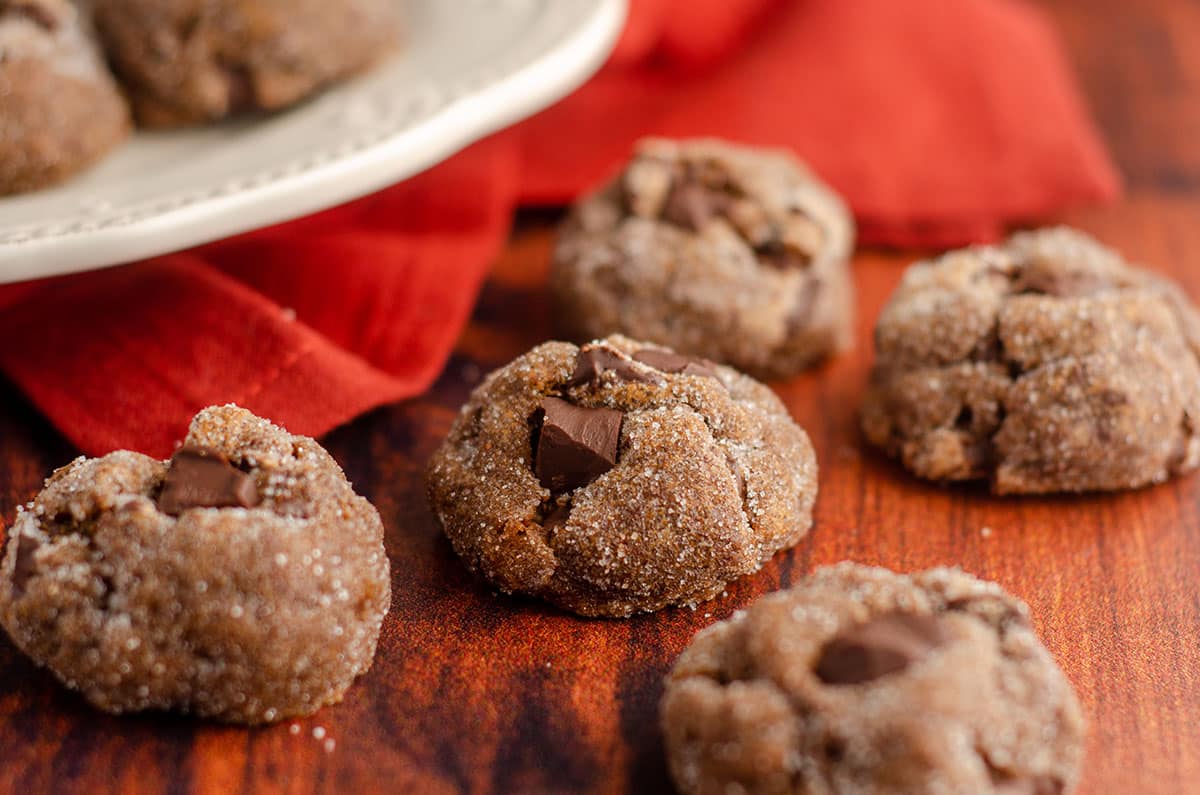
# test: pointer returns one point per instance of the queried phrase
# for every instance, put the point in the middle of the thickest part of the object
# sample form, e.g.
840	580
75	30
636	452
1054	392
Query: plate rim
471	109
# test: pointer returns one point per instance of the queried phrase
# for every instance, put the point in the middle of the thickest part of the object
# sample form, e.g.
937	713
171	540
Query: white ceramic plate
468	68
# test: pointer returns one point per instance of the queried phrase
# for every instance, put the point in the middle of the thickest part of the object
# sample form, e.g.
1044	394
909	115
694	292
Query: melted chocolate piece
692	205
574	445
671	362
24	566
200	477
881	646
596	359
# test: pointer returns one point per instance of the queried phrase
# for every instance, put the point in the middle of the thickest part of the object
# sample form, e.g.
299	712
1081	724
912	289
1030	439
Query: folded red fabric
940	122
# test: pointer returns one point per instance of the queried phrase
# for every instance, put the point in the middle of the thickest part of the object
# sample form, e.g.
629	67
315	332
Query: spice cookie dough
59	108
621	477
729	252
192	61
1046	364
866	682
242	580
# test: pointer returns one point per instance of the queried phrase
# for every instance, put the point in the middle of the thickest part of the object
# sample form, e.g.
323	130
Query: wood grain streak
473	692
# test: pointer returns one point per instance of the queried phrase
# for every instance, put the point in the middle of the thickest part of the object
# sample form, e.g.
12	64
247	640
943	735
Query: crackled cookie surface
621	477
191	61
716	250
59	108
243	580
1046	364
860	681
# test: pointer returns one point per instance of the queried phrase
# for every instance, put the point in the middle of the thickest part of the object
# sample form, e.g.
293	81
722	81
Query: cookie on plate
59	108
1046	364
728	252
859	680
621	477
242	580
193	61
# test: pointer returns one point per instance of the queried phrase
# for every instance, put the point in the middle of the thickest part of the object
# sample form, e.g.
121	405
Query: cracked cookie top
620	477
730	252
242	580
1046	364
861	680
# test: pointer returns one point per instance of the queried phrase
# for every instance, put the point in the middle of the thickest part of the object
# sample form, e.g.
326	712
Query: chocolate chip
883	645
575	445
593	360
24	566
200	477
692	205
671	362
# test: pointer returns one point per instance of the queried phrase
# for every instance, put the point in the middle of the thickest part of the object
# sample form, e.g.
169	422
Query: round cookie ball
860	680
59	108
621	477
192	61
243	580
732	253
1047	364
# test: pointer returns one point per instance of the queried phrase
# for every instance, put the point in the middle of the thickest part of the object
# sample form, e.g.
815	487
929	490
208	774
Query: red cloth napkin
941	122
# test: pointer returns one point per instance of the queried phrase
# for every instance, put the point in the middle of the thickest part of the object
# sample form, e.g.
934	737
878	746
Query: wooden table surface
474	692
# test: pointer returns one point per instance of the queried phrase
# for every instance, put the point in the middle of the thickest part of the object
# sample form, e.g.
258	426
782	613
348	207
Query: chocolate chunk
203	478
24	567
574	445
596	359
692	205
883	645
671	362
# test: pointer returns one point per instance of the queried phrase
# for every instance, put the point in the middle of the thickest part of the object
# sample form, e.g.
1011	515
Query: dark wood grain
477	693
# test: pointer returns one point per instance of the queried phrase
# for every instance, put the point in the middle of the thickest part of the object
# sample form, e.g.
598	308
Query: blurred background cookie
621	477
191	61
242	580
59	108
730	252
860	680
1046	364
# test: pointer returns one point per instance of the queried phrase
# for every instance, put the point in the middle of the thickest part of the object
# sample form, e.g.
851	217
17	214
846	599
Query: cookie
192	61
59	108
860	681
620	477
727	252
242	580
1046	364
